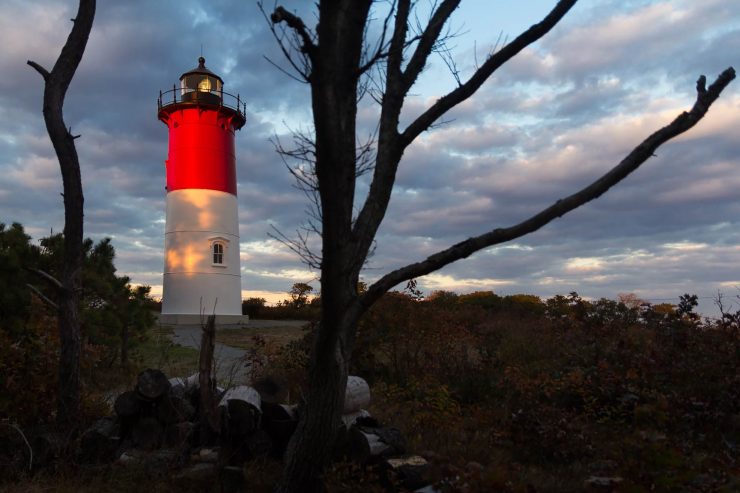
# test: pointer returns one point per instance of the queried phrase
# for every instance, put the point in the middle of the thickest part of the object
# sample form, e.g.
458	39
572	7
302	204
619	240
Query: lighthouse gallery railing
215	98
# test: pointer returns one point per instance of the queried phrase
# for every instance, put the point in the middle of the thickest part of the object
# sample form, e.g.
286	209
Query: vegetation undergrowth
509	393
519	394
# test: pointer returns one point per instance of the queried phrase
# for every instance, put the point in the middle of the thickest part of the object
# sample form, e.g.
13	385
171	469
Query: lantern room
201	84
202	88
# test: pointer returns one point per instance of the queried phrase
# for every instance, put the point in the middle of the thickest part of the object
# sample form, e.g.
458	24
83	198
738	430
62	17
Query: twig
41	296
30	450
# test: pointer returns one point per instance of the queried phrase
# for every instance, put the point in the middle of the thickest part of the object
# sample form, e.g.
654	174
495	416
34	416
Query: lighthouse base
193	319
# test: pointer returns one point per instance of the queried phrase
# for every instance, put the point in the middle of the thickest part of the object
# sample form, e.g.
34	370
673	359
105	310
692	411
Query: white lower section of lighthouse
201	266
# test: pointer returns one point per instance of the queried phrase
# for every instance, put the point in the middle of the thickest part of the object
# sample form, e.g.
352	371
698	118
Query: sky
549	122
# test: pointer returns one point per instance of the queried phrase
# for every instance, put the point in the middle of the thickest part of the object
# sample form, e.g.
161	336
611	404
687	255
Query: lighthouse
201	241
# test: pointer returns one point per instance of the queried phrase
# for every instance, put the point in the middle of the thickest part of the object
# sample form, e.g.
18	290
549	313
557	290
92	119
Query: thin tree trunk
56	84
312	444
210	425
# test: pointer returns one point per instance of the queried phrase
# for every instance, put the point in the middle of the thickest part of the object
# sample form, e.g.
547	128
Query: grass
245	338
156	350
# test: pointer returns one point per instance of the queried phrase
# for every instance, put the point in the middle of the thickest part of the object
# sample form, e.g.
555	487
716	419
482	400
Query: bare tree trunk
56	84
334	81
210	424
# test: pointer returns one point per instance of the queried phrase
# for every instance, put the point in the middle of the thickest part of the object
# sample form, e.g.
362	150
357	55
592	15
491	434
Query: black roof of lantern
201	69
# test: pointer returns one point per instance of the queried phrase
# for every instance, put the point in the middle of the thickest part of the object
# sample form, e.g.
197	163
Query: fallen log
147	433
100	442
179	434
172	409
152	384
186	382
357	395
351	418
366	444
259	443
279	421
410	471
47	448
128	406
244	409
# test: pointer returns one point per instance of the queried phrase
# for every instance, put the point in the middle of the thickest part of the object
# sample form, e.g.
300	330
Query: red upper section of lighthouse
201	132
201	153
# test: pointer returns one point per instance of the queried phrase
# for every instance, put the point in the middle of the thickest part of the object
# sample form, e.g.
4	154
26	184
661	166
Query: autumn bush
514	393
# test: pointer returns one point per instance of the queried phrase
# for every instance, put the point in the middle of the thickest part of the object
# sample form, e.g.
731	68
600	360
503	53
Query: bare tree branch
429	39
44	73
391	144
42	296
463	92
293	43
299	246
48	277
380	48
638	156
295	23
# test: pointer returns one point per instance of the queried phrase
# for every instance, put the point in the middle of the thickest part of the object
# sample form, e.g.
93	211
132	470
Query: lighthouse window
218	253
205	85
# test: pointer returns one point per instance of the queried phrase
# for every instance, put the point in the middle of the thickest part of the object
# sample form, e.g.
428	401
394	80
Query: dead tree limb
48	277
640	154
56	84
392	142
42	296
210	423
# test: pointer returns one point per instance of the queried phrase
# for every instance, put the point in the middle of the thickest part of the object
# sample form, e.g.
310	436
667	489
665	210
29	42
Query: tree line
114	314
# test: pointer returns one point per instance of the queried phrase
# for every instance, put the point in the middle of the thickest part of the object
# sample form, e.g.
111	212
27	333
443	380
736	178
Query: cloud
551	121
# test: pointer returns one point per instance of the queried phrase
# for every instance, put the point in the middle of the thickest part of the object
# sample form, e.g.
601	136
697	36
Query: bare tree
56	84
335	60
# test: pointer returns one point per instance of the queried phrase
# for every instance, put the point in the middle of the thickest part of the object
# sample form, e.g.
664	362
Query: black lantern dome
200	84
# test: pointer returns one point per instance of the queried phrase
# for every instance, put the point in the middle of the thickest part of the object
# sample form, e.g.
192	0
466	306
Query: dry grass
277	336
